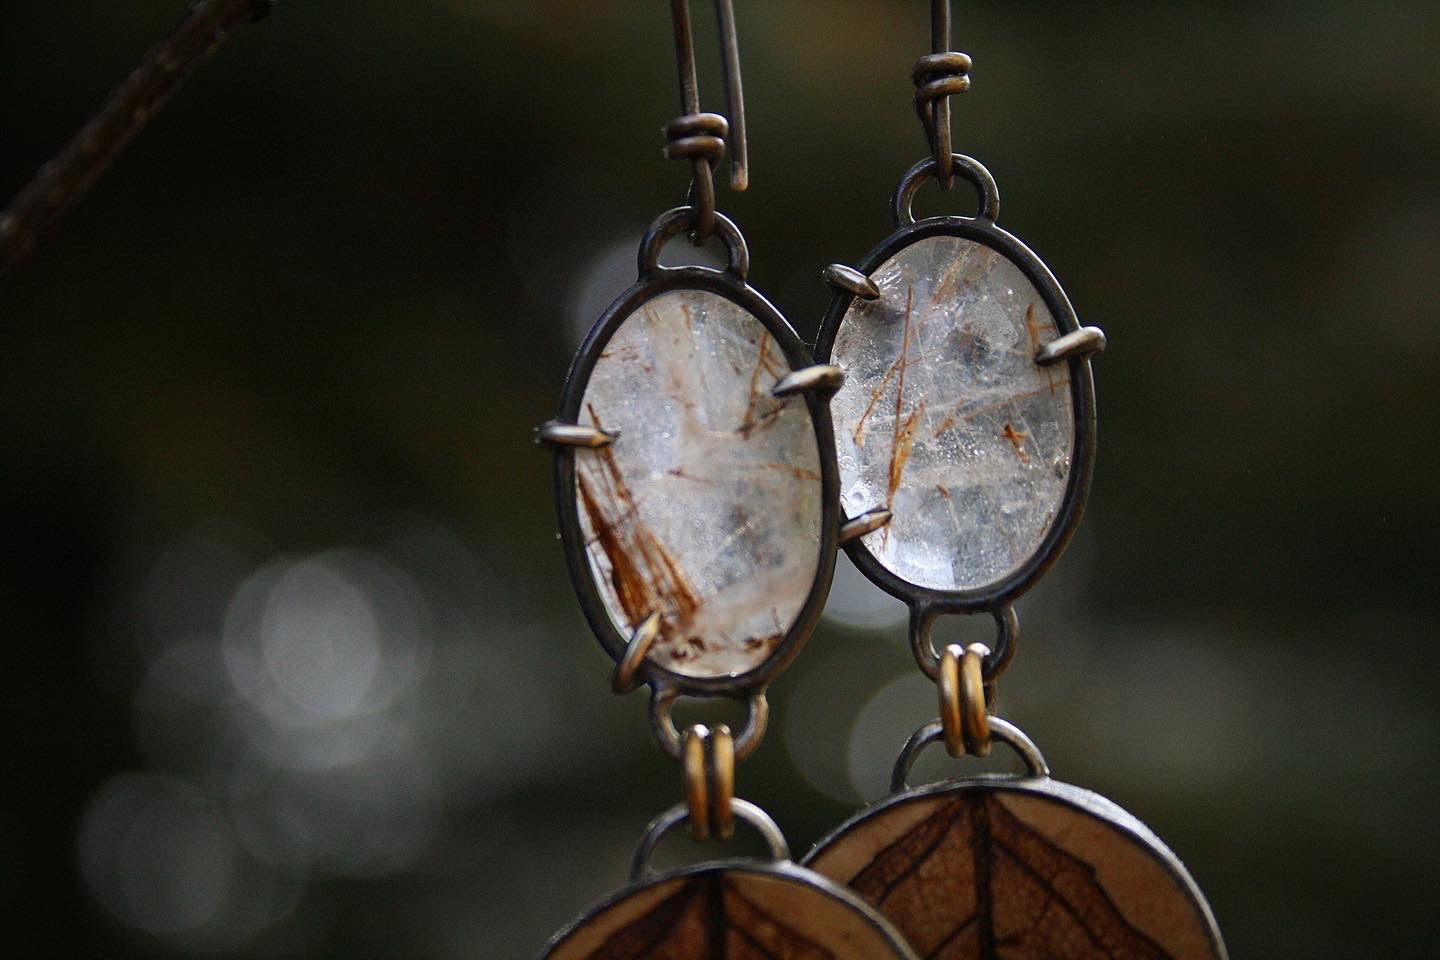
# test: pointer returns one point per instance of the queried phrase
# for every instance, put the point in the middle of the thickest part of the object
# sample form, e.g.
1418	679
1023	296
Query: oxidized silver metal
809	384
928	603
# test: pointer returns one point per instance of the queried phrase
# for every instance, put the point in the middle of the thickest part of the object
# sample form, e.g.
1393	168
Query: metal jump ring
697	792
967	167
676	815
662	723
678	220
975	697
624	678
1002	730
1007	634
964	714
709	781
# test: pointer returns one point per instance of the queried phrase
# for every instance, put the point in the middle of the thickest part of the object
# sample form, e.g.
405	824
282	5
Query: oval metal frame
655	280
926	603
1064	794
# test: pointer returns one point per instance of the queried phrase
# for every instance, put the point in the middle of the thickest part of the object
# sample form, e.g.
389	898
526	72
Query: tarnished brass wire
939	75
720	780
964	716
709	781
623	680
975	701
696	790
947	683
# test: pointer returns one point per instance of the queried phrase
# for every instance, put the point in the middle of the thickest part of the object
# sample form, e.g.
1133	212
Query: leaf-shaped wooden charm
989	874
708	919
733	914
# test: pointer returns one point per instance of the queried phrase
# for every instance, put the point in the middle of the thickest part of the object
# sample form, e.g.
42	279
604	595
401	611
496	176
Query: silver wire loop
677	221
701	137
678	814
967	167
1007	634
938	76
1002	730
662	724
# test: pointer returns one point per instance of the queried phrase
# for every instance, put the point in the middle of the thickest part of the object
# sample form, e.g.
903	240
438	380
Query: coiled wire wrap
701	137
937	76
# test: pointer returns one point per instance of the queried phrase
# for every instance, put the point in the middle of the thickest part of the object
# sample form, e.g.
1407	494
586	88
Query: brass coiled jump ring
709	781
964	706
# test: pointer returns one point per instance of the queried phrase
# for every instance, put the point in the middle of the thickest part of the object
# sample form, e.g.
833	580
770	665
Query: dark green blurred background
291	664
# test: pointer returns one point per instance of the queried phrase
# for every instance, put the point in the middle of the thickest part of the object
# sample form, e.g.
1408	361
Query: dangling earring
965	436
697	496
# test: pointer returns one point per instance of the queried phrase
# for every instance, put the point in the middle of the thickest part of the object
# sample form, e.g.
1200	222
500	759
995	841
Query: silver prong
623	679
822	376
558	434
849	280
1080	343
867	522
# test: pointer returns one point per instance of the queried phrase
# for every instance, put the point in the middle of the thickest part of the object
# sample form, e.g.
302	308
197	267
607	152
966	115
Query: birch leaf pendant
1025	868
734	912
729	910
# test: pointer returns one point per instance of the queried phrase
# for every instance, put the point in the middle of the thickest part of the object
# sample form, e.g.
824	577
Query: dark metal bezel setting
782	870
1079	799
654	281
927	602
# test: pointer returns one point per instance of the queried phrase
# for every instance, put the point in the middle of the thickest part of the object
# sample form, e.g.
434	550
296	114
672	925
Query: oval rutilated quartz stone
946	419
706	508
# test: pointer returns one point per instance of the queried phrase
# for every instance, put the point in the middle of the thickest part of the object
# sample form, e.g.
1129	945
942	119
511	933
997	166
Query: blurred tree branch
60	183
